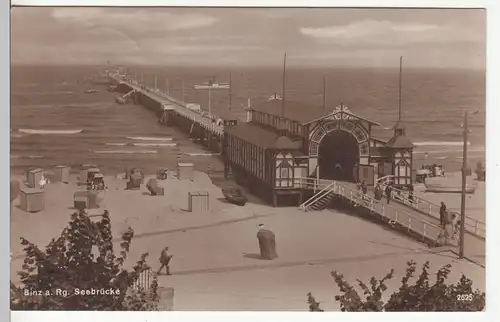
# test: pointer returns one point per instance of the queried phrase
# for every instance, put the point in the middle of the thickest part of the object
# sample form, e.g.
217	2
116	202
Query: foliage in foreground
82	258
422	295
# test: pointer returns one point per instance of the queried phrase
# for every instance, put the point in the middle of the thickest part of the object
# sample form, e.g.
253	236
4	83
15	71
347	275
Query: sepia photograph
247	159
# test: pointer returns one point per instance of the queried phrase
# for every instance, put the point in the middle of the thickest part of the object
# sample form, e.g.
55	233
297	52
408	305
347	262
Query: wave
26	156
202	154
53	132
16	136
448	151
125	152
156	144
117	144
147	138
440	143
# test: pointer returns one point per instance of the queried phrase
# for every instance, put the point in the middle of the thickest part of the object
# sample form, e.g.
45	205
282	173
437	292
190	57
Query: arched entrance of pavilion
338	156
339	150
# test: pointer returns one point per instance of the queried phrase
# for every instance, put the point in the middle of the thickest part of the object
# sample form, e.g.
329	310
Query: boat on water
447	185
55	132
92	90
275	96
212	84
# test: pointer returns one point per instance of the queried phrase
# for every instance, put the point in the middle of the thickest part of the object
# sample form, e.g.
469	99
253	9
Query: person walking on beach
388	193
42	182
165	260
442	214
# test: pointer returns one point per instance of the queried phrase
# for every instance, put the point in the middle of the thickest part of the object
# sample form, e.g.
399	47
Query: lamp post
464	186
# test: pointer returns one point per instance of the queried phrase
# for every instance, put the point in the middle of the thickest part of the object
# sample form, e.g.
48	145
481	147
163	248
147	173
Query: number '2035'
465	297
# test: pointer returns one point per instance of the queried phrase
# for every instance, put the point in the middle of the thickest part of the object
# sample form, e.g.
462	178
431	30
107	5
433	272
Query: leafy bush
420	296
82	258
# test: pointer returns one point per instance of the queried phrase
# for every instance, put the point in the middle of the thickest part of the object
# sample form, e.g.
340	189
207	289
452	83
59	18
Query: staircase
128	94
321	199
322	202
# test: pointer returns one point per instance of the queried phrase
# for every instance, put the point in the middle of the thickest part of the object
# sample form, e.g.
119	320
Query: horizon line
221	66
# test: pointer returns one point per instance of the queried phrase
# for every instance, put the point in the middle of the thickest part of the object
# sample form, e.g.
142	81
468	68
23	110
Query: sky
326	37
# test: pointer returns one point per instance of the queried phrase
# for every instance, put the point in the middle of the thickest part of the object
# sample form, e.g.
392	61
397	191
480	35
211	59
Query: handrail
424	206
307	182
403	218
316	197
179	107
383	180
394	215
472	225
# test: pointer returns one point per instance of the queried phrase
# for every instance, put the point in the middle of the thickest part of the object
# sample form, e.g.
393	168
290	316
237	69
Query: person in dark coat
364	188
165	261
442	214
388	193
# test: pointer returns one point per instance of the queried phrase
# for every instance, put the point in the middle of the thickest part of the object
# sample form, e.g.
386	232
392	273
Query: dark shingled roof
400	141
263	137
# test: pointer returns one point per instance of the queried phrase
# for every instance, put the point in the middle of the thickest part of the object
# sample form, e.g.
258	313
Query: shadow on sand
252	256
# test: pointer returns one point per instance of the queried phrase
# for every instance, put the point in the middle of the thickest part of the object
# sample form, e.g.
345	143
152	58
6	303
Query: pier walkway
399	216
203	119
473	226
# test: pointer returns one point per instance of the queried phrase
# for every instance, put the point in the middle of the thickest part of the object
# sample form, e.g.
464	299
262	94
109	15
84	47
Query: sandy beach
216	264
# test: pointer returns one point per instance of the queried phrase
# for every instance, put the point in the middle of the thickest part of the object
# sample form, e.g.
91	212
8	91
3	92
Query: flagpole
324	93
283	89
400	85
210	101
183	92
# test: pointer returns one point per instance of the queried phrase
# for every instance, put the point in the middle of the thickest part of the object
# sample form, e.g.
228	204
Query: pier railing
472	225
318	196
394	216
178	106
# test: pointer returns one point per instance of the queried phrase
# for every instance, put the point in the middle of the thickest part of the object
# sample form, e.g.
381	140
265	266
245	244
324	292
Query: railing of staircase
427	230
318	196
472	225
391	214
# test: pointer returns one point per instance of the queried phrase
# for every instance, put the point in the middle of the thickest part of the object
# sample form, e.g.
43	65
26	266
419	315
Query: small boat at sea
447	185
212	84
92	90
54	132
275	96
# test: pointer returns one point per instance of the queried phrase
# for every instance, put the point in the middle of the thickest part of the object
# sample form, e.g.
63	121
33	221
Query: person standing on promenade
388	193
442	214
165	260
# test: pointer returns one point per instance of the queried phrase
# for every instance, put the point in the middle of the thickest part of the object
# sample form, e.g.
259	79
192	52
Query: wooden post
464	186
183	92
210	102
230	91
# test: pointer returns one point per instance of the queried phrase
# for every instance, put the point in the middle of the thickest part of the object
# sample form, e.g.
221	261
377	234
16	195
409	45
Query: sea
93	129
